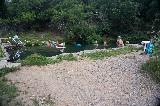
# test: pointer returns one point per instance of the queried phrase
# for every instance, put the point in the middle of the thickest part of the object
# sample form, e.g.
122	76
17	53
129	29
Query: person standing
96	44
50	44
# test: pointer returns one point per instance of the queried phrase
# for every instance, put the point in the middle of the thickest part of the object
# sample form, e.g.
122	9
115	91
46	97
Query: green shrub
152	67
134	38
6	70
36	59
66	57
93	37
7	93
111	40
4	40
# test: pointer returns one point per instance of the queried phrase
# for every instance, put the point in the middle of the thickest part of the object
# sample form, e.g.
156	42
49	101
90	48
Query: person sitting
120	42
105	43
76	44
49	43
53	43
96	43
60	45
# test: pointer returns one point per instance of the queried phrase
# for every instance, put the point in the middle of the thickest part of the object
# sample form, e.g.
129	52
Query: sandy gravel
108	82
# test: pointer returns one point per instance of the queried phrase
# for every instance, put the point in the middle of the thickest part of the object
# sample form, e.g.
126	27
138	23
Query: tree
3	9
121	15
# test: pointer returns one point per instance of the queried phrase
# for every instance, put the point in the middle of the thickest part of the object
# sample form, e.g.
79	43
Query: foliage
1	52
37	101
152	67
110	40
134	38
36	59
34	38
83	20
149	14
3	9
66	57
4	40
7	91
109	52
70	16
6	70
122	15
48	100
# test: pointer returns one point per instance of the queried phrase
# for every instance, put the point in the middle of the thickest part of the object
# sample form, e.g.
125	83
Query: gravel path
108	82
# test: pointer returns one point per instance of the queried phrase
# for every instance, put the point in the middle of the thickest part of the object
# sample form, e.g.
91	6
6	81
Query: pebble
113	81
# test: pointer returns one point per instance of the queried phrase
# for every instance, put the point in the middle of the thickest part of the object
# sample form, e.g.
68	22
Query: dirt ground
113	81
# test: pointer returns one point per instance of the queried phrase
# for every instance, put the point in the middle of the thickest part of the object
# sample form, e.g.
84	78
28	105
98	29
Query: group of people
149	45
119	42
104	43
55	44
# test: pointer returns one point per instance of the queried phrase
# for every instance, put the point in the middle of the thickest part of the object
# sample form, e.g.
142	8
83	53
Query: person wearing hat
120	42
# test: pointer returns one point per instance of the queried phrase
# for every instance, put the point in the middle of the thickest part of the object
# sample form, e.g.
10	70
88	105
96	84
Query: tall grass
152	67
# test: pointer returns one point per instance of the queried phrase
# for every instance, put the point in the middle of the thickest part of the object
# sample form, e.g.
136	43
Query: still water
46	51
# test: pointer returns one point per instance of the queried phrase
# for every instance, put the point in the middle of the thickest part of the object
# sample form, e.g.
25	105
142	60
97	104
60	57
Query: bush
134	38
36	59
92	38
152	67
111	40
7	92
66	57
6	70
4	40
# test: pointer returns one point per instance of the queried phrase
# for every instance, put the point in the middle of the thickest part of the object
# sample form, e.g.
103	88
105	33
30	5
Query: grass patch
7	91
6	70
36	59
66	57
38	101
152	67
110	52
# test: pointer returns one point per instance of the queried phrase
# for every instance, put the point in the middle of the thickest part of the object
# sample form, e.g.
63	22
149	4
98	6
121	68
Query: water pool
46	51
